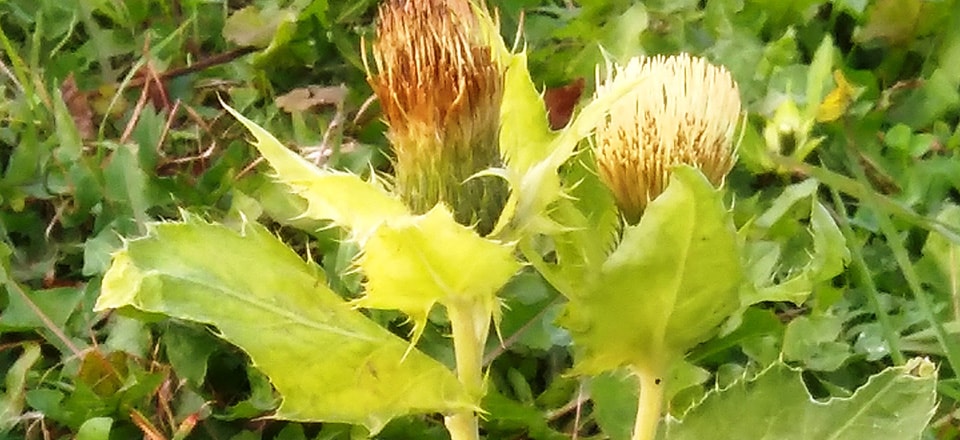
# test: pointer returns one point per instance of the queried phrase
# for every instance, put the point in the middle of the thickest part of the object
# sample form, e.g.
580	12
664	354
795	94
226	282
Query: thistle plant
641	243
653	268
422	241
686	114
440	71
440	85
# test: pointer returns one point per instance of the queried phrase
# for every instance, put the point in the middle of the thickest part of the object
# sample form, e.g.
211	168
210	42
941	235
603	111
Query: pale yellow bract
686	112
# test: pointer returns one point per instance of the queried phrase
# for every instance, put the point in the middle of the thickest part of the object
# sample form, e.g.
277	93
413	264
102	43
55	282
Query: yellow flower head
440	86
685	113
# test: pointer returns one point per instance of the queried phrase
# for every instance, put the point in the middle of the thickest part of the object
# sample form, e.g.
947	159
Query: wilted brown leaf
298	100
78	106
560	102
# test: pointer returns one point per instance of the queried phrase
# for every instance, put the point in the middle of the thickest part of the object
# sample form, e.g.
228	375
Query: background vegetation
111	121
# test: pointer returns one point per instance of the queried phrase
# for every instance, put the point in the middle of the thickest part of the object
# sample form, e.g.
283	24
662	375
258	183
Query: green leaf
818	77
247	435
129	335
781	14
344	198
188	351
623	33
854	7
97	250
29	311
827	258
813	341
282	36
68	136
533	174
591	222
524	129
126	183
252	26
280	205
791	195
329	362
753	325
291	432
671	282
897	403
417	262
830	253
97	428
890	20
898	137
944	253
614	396
11	401
261	398
505	416
530	308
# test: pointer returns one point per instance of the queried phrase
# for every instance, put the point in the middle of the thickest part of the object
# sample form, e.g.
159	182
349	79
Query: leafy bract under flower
416	262
411	262
672	280
534	154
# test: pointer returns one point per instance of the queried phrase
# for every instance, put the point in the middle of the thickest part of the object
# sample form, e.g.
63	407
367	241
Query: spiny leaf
413	264
344	198
329	362
670	283
896	403
534	154
592	223
524	131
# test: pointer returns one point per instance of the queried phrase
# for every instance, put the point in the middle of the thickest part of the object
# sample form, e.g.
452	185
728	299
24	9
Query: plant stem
866	279
881	203
895	242
648	404
462	426
470	322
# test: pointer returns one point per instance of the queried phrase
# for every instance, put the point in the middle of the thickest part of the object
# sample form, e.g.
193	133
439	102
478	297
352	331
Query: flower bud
440	87
685	113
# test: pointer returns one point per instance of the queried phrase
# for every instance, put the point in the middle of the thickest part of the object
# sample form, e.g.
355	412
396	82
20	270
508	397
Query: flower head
686	113
440	86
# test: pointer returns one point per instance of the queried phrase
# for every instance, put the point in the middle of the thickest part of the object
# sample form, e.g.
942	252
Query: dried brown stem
214	60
